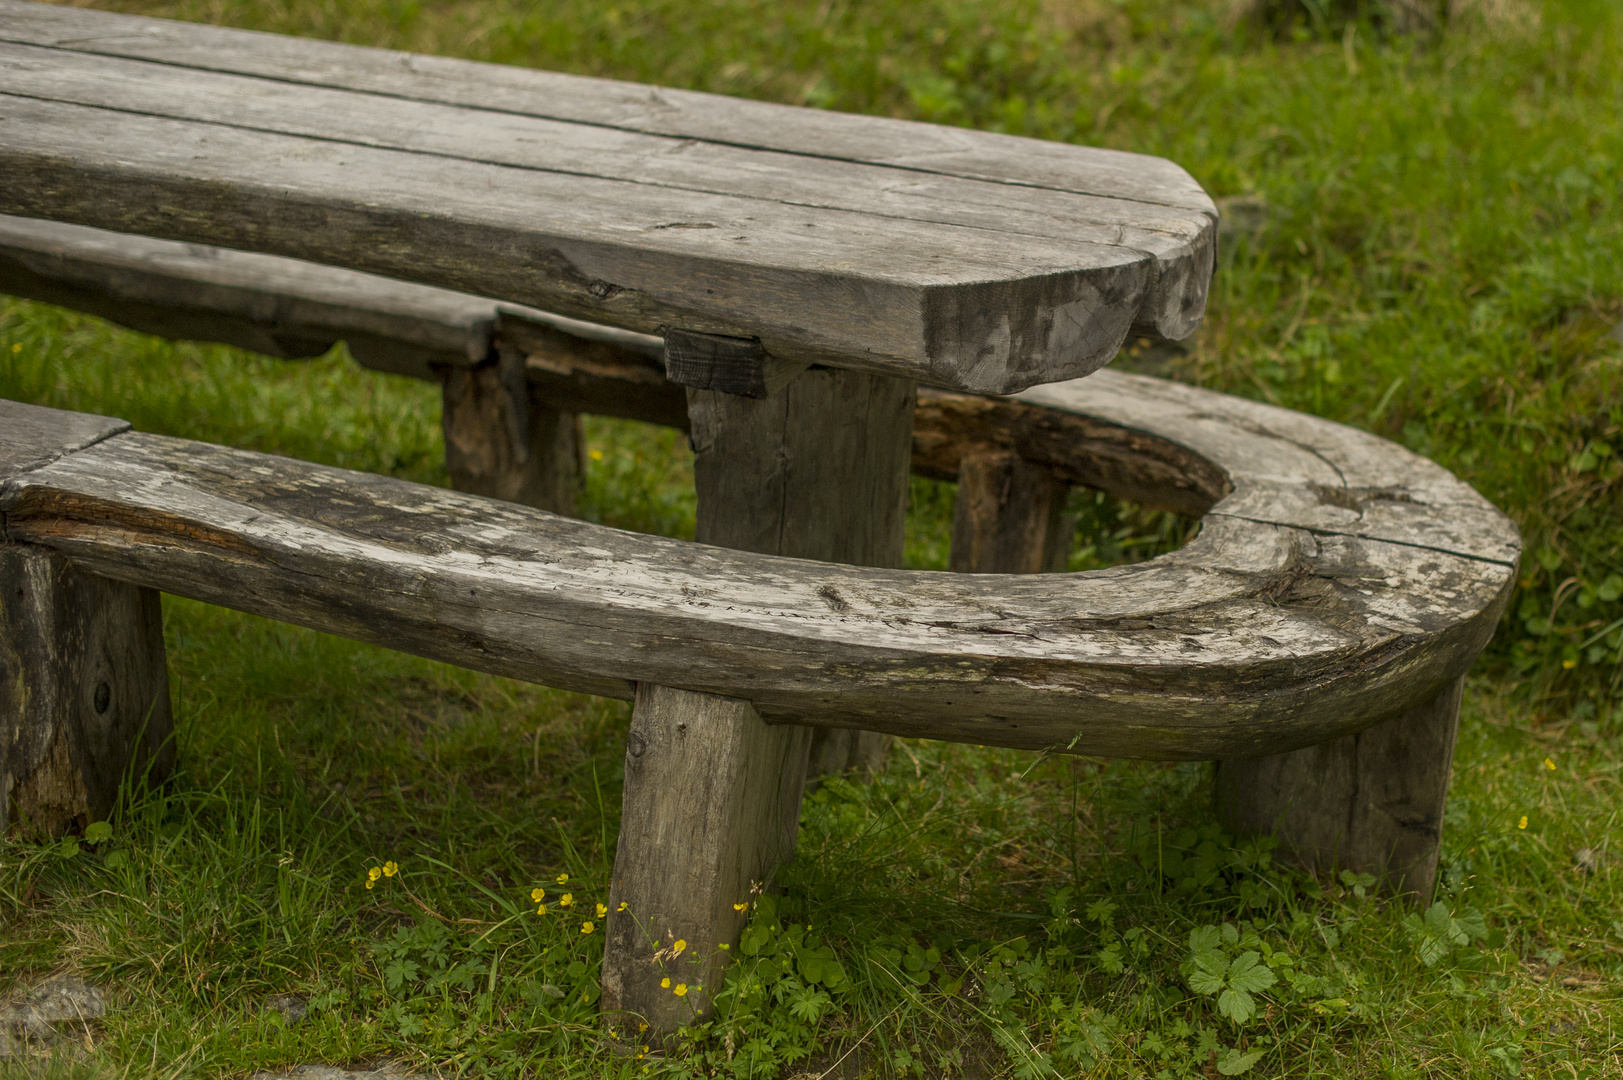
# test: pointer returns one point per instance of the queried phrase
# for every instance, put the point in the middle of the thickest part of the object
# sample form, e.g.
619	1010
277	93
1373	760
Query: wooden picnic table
806	271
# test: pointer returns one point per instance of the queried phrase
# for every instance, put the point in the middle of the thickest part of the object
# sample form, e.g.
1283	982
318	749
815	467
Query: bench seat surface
280	307
1337	579
964	259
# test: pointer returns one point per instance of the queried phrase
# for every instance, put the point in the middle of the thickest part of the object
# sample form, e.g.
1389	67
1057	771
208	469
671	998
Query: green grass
1438	258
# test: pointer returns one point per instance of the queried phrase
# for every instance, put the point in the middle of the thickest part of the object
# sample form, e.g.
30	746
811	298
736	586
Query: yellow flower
567	900
665	983
602	910
540	909
740	907
538	895
640	1029
597	455
1522	824
681	990
679	947
390	869
17	348
1549	763
1569	664
373	873
587	928
370	882
622	906
563	879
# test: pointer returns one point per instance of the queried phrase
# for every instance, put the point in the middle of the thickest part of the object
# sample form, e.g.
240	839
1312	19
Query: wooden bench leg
1010	516
712	806
84	692
502	443
817	469
1370	802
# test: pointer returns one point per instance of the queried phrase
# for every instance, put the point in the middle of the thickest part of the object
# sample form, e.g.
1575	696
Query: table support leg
1370	802
1010	517
817	469
84	692
502	443
712	807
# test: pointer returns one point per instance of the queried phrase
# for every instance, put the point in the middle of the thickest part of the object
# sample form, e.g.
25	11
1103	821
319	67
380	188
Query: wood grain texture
1253	638
84	692
928	149
279	307
1289	468
501	443
820	290
730	365
31	436
712	808
1370	802
816	470
1009	517
983	282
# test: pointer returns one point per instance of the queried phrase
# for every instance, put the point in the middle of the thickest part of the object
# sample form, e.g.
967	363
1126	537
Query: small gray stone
380	1070
30	1017
53	1001
292	1007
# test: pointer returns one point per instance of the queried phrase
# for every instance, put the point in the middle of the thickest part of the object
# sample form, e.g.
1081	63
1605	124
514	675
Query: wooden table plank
853	297
688	115
980	285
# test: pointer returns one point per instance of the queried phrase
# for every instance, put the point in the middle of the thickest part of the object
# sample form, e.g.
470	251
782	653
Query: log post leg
818	469
1370	802
501	442
712	805
84	692
1010	516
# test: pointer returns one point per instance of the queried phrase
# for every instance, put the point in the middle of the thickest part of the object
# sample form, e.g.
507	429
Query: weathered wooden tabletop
964	259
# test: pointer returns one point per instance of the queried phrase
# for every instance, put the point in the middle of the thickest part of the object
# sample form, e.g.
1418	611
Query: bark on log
1370	802
712	806
84	692
502	442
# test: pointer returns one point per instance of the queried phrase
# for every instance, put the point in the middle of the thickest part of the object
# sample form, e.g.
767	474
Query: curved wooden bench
1337	580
